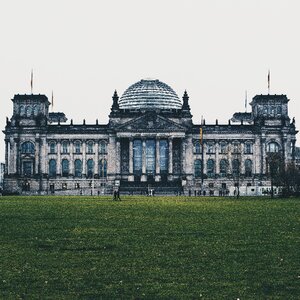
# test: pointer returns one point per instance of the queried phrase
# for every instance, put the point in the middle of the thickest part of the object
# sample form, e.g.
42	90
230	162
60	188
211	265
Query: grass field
149	248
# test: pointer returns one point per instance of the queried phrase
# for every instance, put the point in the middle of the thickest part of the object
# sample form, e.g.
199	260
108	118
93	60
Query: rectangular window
64	186
27	168
150	156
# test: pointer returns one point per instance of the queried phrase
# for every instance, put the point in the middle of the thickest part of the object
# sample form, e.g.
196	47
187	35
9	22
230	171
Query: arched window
223	167
236	147
137	157
248	148
90	168
248	167
102	148
65	167
35	110
223	148
65	147
279	110
22	110
27	148
273	147
163	156
235	167
198	168
197	148
52	167
78	168
102	168
77	147
28	111
210	168
52	147
90	147
210	148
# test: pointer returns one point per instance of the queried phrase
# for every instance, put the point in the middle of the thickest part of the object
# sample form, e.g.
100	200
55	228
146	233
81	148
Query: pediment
151	122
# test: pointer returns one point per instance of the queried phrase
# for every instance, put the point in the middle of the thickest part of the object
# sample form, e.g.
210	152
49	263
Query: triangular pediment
151	122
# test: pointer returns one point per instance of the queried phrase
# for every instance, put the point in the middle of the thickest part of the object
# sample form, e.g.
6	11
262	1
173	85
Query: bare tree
275	168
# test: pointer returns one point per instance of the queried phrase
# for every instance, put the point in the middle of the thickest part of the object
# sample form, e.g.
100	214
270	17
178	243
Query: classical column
293	150
7	146
36	156
189	157
83	158
182	163
217	158
11	166
58	171
170	167
130	177
157	161
118	156
263	162
71	150
43	155
204	164
96	163
144	176
242	160
256	155
17	159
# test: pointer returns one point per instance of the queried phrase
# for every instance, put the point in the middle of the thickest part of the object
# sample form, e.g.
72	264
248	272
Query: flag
269	82
31	81
201	135
52	100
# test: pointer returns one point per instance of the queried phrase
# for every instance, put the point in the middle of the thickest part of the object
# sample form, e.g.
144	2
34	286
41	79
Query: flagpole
52	101
269	82
31	81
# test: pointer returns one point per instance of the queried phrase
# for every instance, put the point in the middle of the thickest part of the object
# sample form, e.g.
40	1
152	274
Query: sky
84	50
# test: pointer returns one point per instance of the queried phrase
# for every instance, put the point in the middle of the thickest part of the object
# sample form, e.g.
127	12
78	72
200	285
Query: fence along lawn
149	248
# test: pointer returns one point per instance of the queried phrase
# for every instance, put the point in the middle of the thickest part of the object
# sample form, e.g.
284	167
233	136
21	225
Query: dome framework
150	94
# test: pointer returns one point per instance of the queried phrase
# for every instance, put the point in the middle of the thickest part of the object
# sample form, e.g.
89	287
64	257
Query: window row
78	167
225	168
235	148
224	148
29	110
77	147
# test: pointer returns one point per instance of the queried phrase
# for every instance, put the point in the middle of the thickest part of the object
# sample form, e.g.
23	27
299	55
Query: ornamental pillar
6	156
96	164
83	158
170	167
59	158
144	175
157	161
130	177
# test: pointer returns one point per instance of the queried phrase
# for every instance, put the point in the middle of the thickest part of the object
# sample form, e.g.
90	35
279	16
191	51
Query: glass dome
149	94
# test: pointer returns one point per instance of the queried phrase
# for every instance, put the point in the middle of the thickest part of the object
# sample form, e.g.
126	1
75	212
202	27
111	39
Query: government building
149	146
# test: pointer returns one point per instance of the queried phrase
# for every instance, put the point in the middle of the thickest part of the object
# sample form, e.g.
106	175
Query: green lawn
149	248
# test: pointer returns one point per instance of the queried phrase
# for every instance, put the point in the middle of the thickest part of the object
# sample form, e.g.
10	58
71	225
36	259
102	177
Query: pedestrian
115	196
118	195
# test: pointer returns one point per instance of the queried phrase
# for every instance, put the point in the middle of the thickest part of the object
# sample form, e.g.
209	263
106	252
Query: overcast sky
84	50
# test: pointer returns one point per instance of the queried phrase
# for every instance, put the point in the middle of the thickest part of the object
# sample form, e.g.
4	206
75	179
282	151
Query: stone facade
143	149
